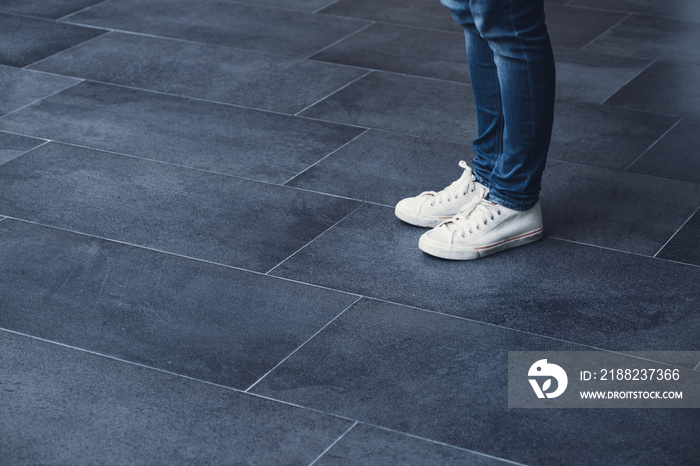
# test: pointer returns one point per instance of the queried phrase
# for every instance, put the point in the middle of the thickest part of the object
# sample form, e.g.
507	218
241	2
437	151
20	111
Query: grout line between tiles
247	390
359	297
621	251
399	24
371	23
201	99
60	52
39	100
81	10
180	96
187	167
314	239
629	15
306	190
173	254
117	359
437	442
256	395
648	65
674	234
333	93
258	109
194	42
324	157
524	332
333	444
571	4
174	374
626	170
25	152
497	325
333	2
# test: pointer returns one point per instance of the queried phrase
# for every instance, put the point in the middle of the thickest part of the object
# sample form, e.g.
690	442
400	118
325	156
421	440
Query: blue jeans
513	79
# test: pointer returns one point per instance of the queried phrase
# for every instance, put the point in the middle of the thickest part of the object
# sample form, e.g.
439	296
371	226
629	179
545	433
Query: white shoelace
472	217
456	189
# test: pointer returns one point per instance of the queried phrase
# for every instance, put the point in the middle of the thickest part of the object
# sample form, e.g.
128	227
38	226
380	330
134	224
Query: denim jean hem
505	203
481	179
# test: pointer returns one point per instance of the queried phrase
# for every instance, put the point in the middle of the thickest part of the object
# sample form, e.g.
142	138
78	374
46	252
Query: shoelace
456	189
472	217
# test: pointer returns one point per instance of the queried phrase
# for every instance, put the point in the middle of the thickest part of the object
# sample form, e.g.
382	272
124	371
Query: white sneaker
482	228
431	208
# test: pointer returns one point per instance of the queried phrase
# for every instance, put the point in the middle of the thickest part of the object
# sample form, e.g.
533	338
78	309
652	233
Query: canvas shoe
482	228
431	208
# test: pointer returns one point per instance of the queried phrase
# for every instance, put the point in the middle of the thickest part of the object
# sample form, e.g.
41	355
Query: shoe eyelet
499	212
478	227
492	217
463	235
471	232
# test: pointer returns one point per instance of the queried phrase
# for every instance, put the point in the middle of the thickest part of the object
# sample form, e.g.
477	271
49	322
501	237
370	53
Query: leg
508	39
488	145
517	38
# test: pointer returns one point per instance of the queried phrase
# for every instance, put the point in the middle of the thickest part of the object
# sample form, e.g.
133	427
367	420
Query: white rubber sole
473	253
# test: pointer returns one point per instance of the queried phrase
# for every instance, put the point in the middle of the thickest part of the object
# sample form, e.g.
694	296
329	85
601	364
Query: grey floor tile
568	27
51	9
663	88
26	40
428	14
302	5
401	49
612	209
12	146
203	71
259	28
683	247
385	167
575	27
62	406
192	318
446	379
367	445
203	135
555	288
688	10
20	87
405	104
163	207
604	136
593	77
675	155
652	38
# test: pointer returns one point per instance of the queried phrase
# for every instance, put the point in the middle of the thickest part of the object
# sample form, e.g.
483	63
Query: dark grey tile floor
200	262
